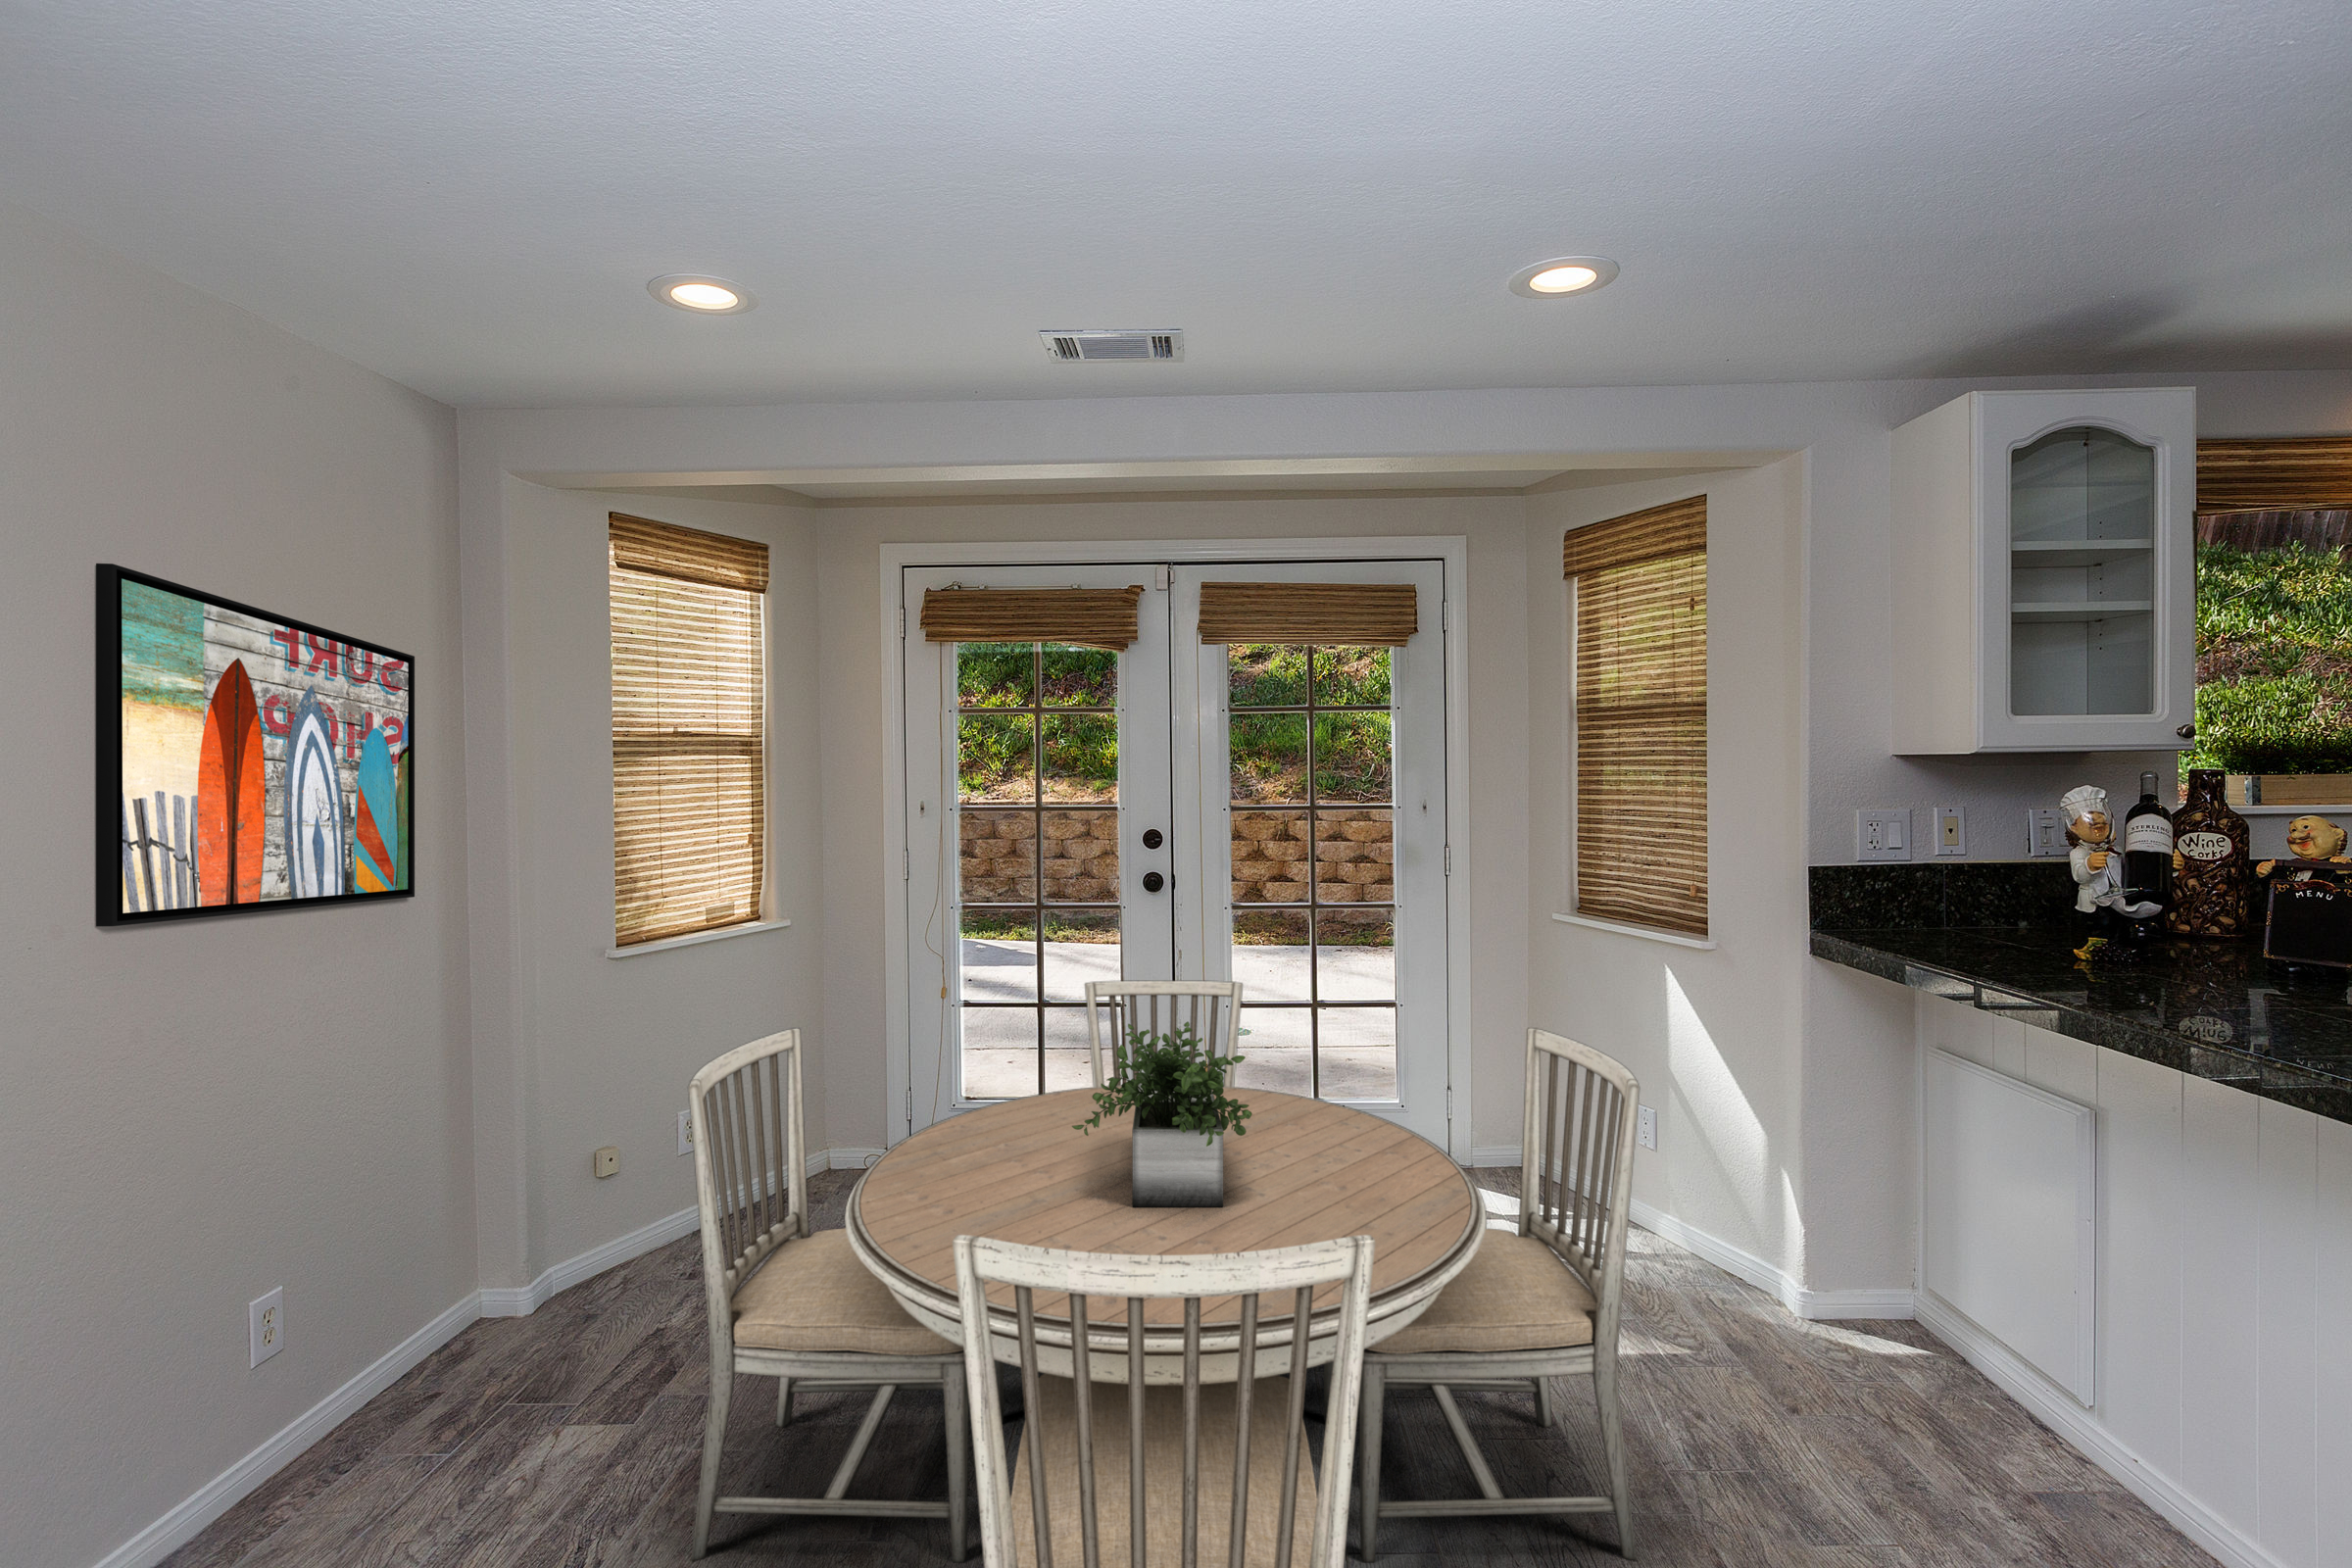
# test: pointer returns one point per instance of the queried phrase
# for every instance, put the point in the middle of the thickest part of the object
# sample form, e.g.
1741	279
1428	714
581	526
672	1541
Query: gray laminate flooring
572	1436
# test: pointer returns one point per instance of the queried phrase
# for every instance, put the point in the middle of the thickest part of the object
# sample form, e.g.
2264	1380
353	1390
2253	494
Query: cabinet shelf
2040	553
2079	609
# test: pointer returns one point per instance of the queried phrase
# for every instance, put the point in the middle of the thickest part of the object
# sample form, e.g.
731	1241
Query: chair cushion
813	1294
1516	1294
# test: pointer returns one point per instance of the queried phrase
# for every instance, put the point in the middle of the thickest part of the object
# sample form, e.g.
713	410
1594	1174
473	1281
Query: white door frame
1453	550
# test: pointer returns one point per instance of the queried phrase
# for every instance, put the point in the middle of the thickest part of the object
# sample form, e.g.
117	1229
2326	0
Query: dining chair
794	1306
1153	1411
1210	1008
1537	1301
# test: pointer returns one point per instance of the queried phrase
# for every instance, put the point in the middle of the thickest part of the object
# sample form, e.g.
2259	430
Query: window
1640	597
689	730
2274	631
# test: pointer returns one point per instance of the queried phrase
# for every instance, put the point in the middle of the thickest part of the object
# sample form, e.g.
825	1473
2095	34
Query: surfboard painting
244	761
313	806
230	794
375	821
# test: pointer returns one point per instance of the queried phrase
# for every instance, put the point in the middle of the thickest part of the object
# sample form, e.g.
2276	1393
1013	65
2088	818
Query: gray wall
193	1114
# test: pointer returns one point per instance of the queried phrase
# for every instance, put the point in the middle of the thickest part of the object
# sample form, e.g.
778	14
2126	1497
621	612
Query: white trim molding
1645	933
208	1503
2054	1408
185	1520
696	938
1821	1306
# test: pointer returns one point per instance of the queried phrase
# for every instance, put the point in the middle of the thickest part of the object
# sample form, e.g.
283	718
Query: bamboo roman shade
2301	474
1641	716
689	730
1337	614
1087	617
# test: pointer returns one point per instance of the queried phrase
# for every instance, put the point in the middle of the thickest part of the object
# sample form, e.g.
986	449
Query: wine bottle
2149	847
2211	889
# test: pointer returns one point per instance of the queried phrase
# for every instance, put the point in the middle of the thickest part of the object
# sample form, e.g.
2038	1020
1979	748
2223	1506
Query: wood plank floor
572	1438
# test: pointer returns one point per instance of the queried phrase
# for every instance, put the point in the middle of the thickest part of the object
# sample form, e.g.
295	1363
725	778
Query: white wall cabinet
2044	572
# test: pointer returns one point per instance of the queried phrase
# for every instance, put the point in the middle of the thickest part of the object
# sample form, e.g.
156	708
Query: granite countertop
2218	1009
2215	1009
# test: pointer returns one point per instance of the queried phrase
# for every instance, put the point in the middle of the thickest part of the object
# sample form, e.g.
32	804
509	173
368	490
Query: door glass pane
1356	955
995	757
1314	928
1271	954
1279	1051
1038	860
1268	751
1081	945
1000	1051
1000	955
1355	1053
1068	1065
1271	855
2081	574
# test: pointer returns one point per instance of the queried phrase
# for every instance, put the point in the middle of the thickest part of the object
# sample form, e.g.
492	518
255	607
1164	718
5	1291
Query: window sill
1670	938
693	939
2282	811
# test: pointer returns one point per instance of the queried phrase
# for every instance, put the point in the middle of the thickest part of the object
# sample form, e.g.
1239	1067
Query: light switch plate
2045	832
1947	827
1883	835
1646	1127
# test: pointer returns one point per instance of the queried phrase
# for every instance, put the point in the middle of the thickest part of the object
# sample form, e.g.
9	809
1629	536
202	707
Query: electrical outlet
685	1132
266	1325
608	1161
1884	835
1951	829
1646	1127
2045	832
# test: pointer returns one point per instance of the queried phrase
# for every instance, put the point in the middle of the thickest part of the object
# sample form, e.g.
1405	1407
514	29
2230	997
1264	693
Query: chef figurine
2312	839
2098	867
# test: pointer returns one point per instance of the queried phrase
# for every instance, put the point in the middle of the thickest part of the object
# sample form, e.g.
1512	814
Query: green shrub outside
2273	641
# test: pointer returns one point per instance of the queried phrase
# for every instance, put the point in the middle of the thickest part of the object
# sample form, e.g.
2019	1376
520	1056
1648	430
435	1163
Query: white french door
1268	814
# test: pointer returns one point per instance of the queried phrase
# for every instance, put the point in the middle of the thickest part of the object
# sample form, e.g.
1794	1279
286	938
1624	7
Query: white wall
598	1050
1715	1038
2223	1371
194	1112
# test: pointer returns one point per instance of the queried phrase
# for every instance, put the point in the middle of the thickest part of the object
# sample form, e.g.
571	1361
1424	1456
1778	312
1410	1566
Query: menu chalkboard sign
2311	922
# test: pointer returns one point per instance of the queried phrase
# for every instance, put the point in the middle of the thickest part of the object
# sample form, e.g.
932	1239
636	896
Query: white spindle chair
1156	1368
1537	1303
1114	1008
794	1306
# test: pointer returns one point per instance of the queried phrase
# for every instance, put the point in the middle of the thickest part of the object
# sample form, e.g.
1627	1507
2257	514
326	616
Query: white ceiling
470	195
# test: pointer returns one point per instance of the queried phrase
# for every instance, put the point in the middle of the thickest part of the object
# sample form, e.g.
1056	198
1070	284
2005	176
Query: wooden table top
1303	1171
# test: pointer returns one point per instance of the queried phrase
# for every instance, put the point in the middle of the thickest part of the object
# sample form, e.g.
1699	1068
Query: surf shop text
358	667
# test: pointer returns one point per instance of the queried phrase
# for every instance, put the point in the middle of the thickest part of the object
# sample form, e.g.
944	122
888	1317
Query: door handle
1153	881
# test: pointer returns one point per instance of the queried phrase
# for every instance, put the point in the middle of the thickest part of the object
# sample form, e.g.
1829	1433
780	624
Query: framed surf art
246	761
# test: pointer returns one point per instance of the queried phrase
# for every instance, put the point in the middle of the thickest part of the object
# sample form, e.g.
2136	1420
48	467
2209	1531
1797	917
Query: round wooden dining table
1305	1170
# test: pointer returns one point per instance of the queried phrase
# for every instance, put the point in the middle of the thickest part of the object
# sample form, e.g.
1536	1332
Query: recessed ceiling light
1563	275
704	296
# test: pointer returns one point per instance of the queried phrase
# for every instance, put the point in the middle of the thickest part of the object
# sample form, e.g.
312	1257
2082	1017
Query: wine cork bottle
2213	886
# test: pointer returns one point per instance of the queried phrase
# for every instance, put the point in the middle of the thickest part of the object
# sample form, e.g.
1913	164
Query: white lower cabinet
2222	1326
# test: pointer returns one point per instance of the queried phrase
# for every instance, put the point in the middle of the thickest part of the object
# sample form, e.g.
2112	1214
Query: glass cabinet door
2081	574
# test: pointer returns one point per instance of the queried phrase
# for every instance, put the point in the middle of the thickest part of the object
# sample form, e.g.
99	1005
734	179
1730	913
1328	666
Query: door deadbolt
1152	838
1153	881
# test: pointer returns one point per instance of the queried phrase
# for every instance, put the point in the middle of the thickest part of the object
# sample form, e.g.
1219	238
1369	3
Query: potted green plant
1175	1090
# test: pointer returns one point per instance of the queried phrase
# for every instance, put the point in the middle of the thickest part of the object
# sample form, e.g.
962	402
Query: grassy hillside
2273	660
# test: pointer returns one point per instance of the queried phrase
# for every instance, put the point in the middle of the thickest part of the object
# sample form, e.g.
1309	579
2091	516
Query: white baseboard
1486	1156
2054	1408
1816	1305
223	1492
227	1490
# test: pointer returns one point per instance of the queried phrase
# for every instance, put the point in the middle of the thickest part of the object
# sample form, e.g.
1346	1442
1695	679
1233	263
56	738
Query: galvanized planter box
1171	1168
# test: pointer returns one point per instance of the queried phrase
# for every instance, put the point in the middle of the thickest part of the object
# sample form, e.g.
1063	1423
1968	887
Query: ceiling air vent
1113	343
